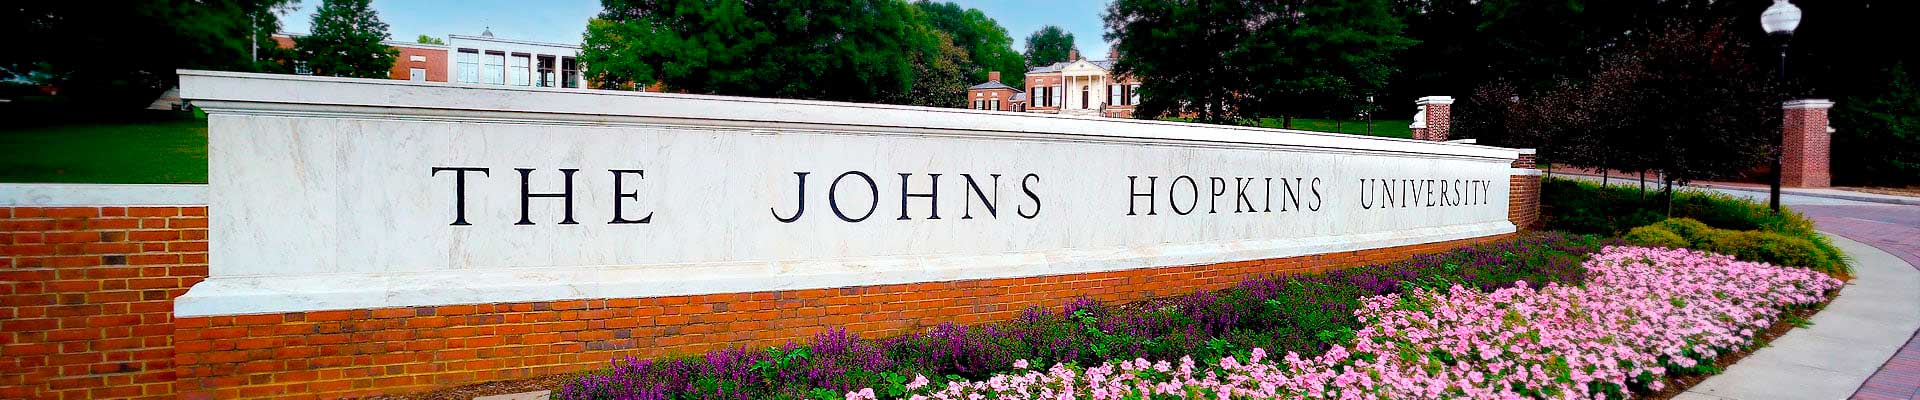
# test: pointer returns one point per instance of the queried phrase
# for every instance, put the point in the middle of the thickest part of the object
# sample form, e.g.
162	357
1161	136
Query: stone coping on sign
94	194
296	95
274	294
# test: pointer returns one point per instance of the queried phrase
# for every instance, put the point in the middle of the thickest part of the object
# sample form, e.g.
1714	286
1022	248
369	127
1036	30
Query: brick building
996	96
1077	86
481	59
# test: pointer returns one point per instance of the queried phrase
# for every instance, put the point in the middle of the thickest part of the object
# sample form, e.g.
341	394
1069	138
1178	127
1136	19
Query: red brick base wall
86	312
86	298
1523	199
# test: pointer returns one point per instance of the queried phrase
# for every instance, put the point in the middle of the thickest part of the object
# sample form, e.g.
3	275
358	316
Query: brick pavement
1896	230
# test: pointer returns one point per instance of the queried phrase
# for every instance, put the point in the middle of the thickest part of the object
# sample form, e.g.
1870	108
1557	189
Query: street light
1779	21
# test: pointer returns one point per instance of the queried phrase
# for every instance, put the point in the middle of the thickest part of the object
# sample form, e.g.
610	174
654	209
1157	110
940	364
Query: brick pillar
1804	144
1523	199
1434	119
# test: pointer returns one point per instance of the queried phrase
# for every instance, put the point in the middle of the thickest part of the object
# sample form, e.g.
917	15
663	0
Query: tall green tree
1884	127
986	43
860	50
125	54
346	41
1277	59
1161	41
1050	44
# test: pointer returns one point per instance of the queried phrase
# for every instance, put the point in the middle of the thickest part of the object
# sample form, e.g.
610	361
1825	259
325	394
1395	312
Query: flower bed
1305	314
1642	314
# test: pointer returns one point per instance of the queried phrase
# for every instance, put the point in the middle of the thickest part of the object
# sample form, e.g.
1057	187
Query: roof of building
991	85
1018	96
1056	67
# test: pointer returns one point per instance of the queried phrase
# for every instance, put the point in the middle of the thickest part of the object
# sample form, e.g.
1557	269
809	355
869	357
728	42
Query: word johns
1245	191
1401	193
857	182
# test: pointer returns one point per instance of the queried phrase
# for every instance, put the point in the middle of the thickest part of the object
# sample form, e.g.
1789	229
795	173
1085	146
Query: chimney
1073	55
993	76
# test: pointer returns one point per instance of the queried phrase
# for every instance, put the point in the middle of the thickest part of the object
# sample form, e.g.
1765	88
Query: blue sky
564	21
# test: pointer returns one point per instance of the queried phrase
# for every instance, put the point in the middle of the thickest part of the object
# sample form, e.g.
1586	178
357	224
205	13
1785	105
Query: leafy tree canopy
1236	60
424	39
60	43
1049	45
863	50
346	41
986	43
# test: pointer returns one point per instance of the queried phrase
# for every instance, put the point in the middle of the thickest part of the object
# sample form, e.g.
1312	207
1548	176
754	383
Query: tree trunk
1668	194
1286	121
1603	177
1643	185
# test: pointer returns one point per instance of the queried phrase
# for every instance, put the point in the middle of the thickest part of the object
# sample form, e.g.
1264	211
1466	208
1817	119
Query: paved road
1894	229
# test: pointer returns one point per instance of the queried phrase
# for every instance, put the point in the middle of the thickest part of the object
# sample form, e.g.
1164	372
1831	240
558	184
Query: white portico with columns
1081	87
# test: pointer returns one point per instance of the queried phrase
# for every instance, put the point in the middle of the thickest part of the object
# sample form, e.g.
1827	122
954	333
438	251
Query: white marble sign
334	193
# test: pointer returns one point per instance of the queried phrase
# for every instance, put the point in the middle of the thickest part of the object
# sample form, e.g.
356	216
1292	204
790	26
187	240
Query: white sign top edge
243	91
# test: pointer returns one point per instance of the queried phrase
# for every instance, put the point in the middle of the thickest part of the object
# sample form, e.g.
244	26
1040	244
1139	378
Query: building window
1059	97
469	60
417	74
493	68
1133	94
569	72
517	70
993	104
1113	95
544	68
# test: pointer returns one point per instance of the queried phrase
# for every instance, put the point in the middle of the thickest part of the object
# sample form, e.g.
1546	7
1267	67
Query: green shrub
1655	236
1586	208
1749	245
1687	229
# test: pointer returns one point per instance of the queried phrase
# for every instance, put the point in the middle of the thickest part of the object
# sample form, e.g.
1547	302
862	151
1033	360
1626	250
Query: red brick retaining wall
86	298
86	311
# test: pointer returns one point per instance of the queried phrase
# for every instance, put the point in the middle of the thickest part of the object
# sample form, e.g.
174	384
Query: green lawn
1381	127
166	149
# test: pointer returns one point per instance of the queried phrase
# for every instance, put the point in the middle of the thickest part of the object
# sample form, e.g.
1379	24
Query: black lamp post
1779	21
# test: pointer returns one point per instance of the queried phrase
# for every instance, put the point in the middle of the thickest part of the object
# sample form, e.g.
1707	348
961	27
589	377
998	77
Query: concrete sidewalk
1826	193
1867	322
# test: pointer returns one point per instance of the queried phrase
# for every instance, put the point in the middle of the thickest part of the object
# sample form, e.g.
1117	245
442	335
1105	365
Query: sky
564	21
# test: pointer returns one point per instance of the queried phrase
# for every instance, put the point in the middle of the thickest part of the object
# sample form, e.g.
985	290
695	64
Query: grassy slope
164	150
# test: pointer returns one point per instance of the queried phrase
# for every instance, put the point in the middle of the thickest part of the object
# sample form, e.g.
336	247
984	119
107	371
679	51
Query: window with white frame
493	68
569	72
993	104
1133	94
1113	95
469	60
417	74
517	70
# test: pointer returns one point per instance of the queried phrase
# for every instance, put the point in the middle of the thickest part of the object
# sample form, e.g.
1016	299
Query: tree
148	41
1162	39
859	50
1049	45
1317	58
424	39
346	41
985	42
1877	136
940	76
1276	59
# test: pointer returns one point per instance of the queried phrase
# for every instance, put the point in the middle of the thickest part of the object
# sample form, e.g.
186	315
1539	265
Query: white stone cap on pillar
1525	151
1807	103
1434	100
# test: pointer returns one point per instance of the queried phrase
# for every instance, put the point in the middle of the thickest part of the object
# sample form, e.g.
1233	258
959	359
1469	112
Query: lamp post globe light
1779	20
